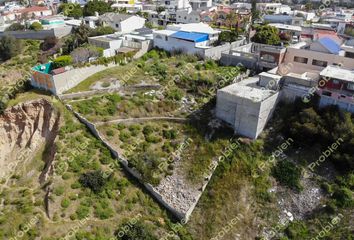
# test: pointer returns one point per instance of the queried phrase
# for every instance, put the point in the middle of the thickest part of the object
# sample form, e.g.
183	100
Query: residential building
189	38
130	6
92	21
140	41
260	57
336	87
274	8
246	106
122	22
284	19
59	80
34	12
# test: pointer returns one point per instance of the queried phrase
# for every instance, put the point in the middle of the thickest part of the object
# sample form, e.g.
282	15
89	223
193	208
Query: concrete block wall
266	111
248	118
67	80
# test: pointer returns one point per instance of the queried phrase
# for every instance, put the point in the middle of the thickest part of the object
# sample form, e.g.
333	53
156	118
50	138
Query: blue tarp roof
191	36
330	45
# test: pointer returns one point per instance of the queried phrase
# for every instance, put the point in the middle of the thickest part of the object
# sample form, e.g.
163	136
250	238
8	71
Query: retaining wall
124	162
39	35
182	216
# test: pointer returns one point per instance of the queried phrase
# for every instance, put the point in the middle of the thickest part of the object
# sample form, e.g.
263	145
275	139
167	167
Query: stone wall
132	172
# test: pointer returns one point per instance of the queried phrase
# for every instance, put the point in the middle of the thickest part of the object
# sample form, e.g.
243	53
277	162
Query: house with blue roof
189	38
326	45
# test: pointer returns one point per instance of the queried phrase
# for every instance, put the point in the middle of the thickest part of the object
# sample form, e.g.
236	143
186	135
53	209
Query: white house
91	21
122	22
190	38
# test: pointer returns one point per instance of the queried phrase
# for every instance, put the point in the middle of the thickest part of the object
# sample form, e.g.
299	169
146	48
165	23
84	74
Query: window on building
117	25
326	93
166	38
268	58
301	60
319	63
350	86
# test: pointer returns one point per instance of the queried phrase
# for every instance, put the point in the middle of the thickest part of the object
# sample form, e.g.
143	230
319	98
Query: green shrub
148	129
152	138
75	185
93	180
103	210
65	176
59	190
62	61
170	134
124	135
82	212
175	94
343	197
288	174
136	231
65	203
120	126
36	26
110	133
297	230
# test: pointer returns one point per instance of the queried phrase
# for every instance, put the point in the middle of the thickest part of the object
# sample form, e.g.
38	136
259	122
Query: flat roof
286	27
191	36
165	32
252	93
337	72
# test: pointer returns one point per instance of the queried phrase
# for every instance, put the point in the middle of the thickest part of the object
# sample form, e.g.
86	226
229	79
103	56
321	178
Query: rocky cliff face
24	128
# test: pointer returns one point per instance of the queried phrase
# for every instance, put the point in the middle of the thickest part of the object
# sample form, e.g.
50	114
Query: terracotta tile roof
33	9
58	71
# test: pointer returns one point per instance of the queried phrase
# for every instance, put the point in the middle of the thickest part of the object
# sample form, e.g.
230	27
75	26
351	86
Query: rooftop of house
115	17
106	38
332	46
286	27
33	9
191	36
248	89
47	68
165	32
337	72
193	27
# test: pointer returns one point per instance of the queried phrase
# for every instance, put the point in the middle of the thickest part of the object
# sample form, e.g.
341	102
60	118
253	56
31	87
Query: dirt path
142	119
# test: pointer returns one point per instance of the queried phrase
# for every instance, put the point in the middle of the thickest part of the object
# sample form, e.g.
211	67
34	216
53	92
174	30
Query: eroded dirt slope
24	128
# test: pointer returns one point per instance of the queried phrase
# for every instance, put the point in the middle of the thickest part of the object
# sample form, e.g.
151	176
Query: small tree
36	26
82	33
93	180
71	10
15	27
94	6
136	231
9	47
266	35
48	43
254	11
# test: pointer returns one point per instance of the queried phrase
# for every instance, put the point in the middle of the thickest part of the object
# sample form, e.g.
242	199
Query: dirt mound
24	128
